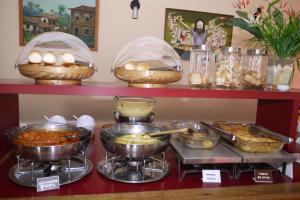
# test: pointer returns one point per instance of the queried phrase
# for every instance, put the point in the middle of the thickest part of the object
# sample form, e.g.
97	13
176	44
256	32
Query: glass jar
254	69
280	71
228	69
202	68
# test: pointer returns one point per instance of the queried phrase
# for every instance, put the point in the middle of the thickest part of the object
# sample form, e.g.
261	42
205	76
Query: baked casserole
250	141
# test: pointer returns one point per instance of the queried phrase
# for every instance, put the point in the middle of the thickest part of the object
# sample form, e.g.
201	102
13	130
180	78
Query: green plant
275	29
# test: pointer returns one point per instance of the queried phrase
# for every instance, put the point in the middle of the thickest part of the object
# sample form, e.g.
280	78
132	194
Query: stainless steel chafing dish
53	152
108	138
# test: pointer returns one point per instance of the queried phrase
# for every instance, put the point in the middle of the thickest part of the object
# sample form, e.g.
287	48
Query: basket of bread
56	58
147	62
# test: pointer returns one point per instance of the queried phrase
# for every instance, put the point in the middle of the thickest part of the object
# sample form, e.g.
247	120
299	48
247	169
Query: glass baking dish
251	137
198	135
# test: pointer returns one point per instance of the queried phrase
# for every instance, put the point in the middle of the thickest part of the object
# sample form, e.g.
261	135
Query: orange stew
46	138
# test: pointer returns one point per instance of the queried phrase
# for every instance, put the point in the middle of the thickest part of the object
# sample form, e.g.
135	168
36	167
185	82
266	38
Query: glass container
251	138
228	69
148	62
280	71
202	68
198	135
254	69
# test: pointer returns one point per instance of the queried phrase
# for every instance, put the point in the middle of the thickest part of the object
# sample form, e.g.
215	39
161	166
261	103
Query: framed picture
76	17
185	29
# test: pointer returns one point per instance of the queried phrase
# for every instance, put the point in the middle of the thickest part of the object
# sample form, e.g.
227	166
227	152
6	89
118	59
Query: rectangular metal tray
272	157
218	155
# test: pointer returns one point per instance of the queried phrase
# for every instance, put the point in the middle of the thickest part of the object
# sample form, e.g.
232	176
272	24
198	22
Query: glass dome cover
147	60
56	58
150	50
57	43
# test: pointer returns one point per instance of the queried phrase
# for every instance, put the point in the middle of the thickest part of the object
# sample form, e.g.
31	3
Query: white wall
116	28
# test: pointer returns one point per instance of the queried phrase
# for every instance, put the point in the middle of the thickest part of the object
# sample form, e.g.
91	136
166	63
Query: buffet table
95	186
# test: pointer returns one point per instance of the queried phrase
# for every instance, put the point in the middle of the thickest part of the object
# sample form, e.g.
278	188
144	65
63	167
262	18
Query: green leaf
242	14
271	4
278	17
273	31
245	26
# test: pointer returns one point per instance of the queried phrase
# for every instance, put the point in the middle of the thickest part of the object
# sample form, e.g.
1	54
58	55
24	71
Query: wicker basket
61	75
59	72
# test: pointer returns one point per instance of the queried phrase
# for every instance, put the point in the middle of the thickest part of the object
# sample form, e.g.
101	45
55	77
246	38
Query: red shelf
114	89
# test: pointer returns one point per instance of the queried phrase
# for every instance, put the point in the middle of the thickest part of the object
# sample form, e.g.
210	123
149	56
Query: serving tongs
221	132
159	133
264	132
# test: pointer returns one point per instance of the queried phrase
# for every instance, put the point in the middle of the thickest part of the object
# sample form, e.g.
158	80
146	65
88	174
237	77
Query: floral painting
77	17
186	29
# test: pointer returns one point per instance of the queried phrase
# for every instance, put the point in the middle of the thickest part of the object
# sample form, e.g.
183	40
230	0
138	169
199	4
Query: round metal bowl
121	119
49	153
108	136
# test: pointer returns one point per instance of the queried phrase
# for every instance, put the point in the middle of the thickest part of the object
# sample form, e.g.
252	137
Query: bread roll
67	59
49	58
35	57
143	66
130	66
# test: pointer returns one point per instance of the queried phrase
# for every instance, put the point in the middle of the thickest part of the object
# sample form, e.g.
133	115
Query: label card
47	183
211	176
263	176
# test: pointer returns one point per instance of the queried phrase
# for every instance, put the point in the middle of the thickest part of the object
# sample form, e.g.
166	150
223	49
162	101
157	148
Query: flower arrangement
276	28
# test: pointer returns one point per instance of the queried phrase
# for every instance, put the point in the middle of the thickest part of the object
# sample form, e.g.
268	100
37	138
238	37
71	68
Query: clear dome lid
60	46
148	53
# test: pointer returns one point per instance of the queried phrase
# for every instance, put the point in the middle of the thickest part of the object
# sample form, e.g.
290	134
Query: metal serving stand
252	160
226	158
193	160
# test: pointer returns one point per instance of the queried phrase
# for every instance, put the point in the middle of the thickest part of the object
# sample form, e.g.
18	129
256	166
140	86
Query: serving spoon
167	132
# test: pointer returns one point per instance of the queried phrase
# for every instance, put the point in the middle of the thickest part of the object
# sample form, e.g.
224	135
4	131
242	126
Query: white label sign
211	176
47	183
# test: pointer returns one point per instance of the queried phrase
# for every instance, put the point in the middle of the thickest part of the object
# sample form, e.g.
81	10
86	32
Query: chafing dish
108	138
53	152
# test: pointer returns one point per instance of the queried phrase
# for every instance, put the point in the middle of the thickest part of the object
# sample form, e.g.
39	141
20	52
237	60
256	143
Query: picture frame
186	29
76	17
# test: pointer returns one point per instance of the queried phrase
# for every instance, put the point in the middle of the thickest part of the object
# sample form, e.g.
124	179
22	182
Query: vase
280	72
